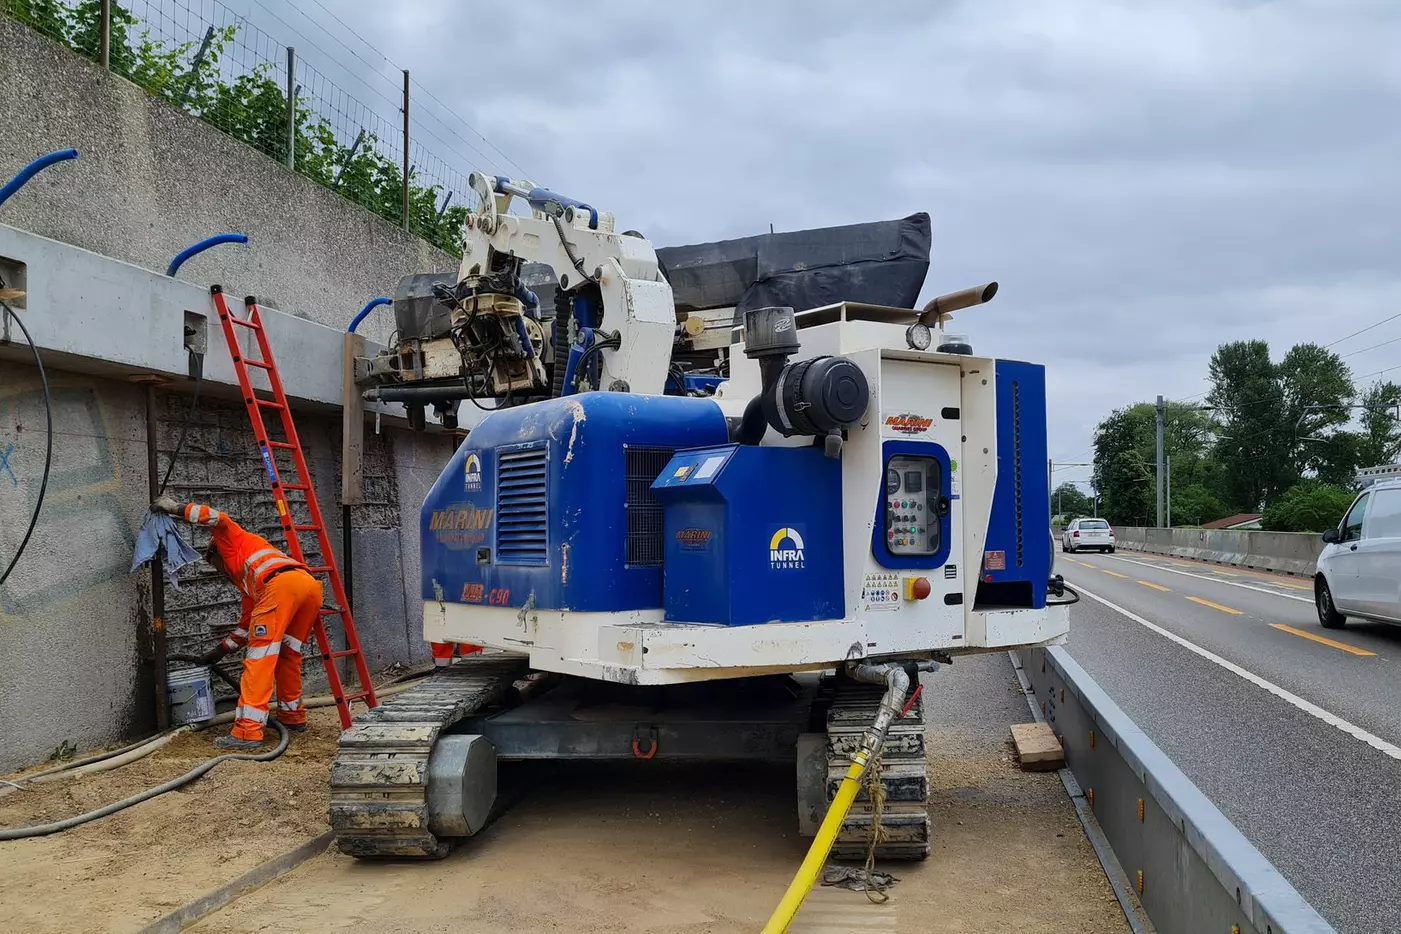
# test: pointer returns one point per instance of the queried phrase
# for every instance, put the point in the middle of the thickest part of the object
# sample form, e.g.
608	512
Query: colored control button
917	588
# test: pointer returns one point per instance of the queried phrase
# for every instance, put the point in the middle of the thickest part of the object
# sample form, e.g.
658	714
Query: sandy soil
123	871
626	847
649	847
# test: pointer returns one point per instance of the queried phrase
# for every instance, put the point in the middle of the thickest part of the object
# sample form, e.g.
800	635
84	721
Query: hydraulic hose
43	830
195	249
32	169
897	684
370	306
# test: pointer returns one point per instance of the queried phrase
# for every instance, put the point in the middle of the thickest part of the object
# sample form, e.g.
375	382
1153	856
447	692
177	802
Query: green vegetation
251	107
1277	438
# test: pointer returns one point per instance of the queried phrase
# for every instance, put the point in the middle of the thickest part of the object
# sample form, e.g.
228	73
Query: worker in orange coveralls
281	600
443	652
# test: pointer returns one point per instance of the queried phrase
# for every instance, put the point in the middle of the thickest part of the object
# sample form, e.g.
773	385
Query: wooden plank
1038	749
352	426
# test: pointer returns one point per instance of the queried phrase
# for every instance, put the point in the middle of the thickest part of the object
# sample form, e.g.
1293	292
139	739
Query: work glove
166	505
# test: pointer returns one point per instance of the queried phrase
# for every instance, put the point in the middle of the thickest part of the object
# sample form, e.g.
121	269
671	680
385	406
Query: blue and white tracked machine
662	567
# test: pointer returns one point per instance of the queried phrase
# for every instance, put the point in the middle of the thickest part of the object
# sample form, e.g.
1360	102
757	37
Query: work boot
242	745
294	727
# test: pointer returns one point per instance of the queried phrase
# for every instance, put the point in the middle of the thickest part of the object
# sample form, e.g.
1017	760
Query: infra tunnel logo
473	474
790	558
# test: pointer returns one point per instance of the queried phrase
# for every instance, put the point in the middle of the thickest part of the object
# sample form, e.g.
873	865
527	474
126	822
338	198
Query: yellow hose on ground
802	883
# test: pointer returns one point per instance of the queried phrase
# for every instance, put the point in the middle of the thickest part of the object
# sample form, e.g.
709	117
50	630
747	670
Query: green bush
1308	506
251	108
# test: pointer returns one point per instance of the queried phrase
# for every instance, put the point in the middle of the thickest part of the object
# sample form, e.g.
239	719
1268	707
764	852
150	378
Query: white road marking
1217	580
1313	710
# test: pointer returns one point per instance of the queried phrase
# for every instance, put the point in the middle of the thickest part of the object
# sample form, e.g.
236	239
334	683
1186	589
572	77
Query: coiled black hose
43	830
48	445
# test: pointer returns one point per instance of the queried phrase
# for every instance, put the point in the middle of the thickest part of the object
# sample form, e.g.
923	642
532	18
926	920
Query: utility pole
1158	474
1168	464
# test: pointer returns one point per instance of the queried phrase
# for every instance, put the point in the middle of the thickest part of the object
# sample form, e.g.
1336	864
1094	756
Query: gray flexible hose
43	830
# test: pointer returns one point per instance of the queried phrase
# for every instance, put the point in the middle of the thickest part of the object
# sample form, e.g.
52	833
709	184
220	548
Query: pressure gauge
918	337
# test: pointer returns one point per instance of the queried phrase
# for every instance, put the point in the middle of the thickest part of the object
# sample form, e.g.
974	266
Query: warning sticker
880	593
995	560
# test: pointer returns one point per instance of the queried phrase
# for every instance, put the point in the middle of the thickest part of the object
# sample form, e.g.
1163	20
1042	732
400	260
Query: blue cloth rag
158	535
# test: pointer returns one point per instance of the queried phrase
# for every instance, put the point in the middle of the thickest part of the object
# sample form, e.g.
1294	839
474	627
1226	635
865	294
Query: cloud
1145	179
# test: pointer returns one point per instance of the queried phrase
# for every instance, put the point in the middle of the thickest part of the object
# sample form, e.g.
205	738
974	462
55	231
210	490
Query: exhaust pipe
943	305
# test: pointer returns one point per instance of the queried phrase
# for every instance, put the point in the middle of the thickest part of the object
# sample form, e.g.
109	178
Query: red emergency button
917	588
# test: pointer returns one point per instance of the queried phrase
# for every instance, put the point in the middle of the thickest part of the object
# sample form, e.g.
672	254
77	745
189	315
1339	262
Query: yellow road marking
1215	606
1114	573
1323	639
1083	564
1156	586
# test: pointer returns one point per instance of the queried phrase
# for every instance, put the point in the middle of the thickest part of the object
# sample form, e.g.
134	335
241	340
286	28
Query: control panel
912	485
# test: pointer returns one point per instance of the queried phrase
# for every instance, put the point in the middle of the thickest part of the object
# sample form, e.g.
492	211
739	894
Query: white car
1359	571
1087	533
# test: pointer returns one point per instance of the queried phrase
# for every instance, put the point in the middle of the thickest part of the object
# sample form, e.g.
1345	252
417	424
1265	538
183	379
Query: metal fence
1193	870
367	143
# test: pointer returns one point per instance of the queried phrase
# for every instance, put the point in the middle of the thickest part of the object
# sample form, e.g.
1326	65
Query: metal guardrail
1194	871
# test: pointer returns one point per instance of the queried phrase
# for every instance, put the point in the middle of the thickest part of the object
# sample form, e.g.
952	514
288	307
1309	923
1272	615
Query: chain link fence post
406	150
104	35
291	108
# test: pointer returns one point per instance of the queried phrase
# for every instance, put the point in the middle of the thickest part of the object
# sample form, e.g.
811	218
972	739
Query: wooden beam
352	427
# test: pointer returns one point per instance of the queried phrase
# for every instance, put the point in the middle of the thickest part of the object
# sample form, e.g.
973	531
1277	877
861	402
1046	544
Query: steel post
291	108
405	220
104	35
1158	471
158	634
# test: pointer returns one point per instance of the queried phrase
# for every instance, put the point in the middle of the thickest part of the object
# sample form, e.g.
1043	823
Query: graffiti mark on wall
83	538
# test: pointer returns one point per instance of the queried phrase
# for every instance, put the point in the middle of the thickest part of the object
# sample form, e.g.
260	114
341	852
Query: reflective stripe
442	662
267	564
238	633
263	651
230	644
204	515
293	643
251	713
254	558
290	705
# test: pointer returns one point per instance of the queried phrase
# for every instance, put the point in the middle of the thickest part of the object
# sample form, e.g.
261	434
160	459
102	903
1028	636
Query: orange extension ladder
278	403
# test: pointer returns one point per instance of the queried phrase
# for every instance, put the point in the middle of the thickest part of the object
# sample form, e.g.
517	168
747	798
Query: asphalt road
1299	744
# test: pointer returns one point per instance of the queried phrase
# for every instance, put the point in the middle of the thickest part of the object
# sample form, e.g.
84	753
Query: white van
1359	571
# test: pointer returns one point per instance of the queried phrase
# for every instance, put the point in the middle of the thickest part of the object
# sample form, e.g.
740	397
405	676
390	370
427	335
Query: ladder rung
295	486
282	445
258	363
245	322
321	569
358	695
306	528
340	653
270	404
328	611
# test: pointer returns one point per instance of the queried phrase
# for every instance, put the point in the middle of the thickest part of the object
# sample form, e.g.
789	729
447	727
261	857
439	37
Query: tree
1379	442
1195	504
1308	506
1068	501
1126	459
252	107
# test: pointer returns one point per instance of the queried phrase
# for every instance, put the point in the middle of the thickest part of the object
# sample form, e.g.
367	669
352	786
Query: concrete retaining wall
1284	552
75	658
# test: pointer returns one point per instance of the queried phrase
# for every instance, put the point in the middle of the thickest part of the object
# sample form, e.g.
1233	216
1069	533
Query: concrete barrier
1283	552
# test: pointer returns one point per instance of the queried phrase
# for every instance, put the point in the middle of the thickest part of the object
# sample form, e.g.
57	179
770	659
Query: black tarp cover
880	263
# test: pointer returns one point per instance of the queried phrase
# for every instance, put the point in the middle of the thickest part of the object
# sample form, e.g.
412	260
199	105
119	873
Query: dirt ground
621	847
121	872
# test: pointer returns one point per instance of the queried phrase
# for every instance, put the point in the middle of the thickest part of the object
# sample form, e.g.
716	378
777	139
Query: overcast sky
1144	179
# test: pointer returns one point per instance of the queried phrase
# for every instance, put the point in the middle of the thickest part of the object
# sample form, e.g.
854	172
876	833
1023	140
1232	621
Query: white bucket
191	695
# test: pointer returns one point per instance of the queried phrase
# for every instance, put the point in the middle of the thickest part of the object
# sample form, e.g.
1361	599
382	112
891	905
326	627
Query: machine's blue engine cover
753	535
1017	561
553	501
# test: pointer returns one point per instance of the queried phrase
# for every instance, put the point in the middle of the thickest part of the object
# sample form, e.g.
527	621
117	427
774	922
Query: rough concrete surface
74	622
152	180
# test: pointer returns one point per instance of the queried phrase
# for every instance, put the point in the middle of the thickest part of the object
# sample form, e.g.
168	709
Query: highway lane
1286	744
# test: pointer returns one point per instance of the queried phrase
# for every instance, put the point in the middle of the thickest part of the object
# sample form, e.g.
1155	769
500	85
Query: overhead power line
1365	330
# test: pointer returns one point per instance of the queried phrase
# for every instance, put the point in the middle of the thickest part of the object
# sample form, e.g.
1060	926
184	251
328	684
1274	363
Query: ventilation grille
522	523
1017	467
646	518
